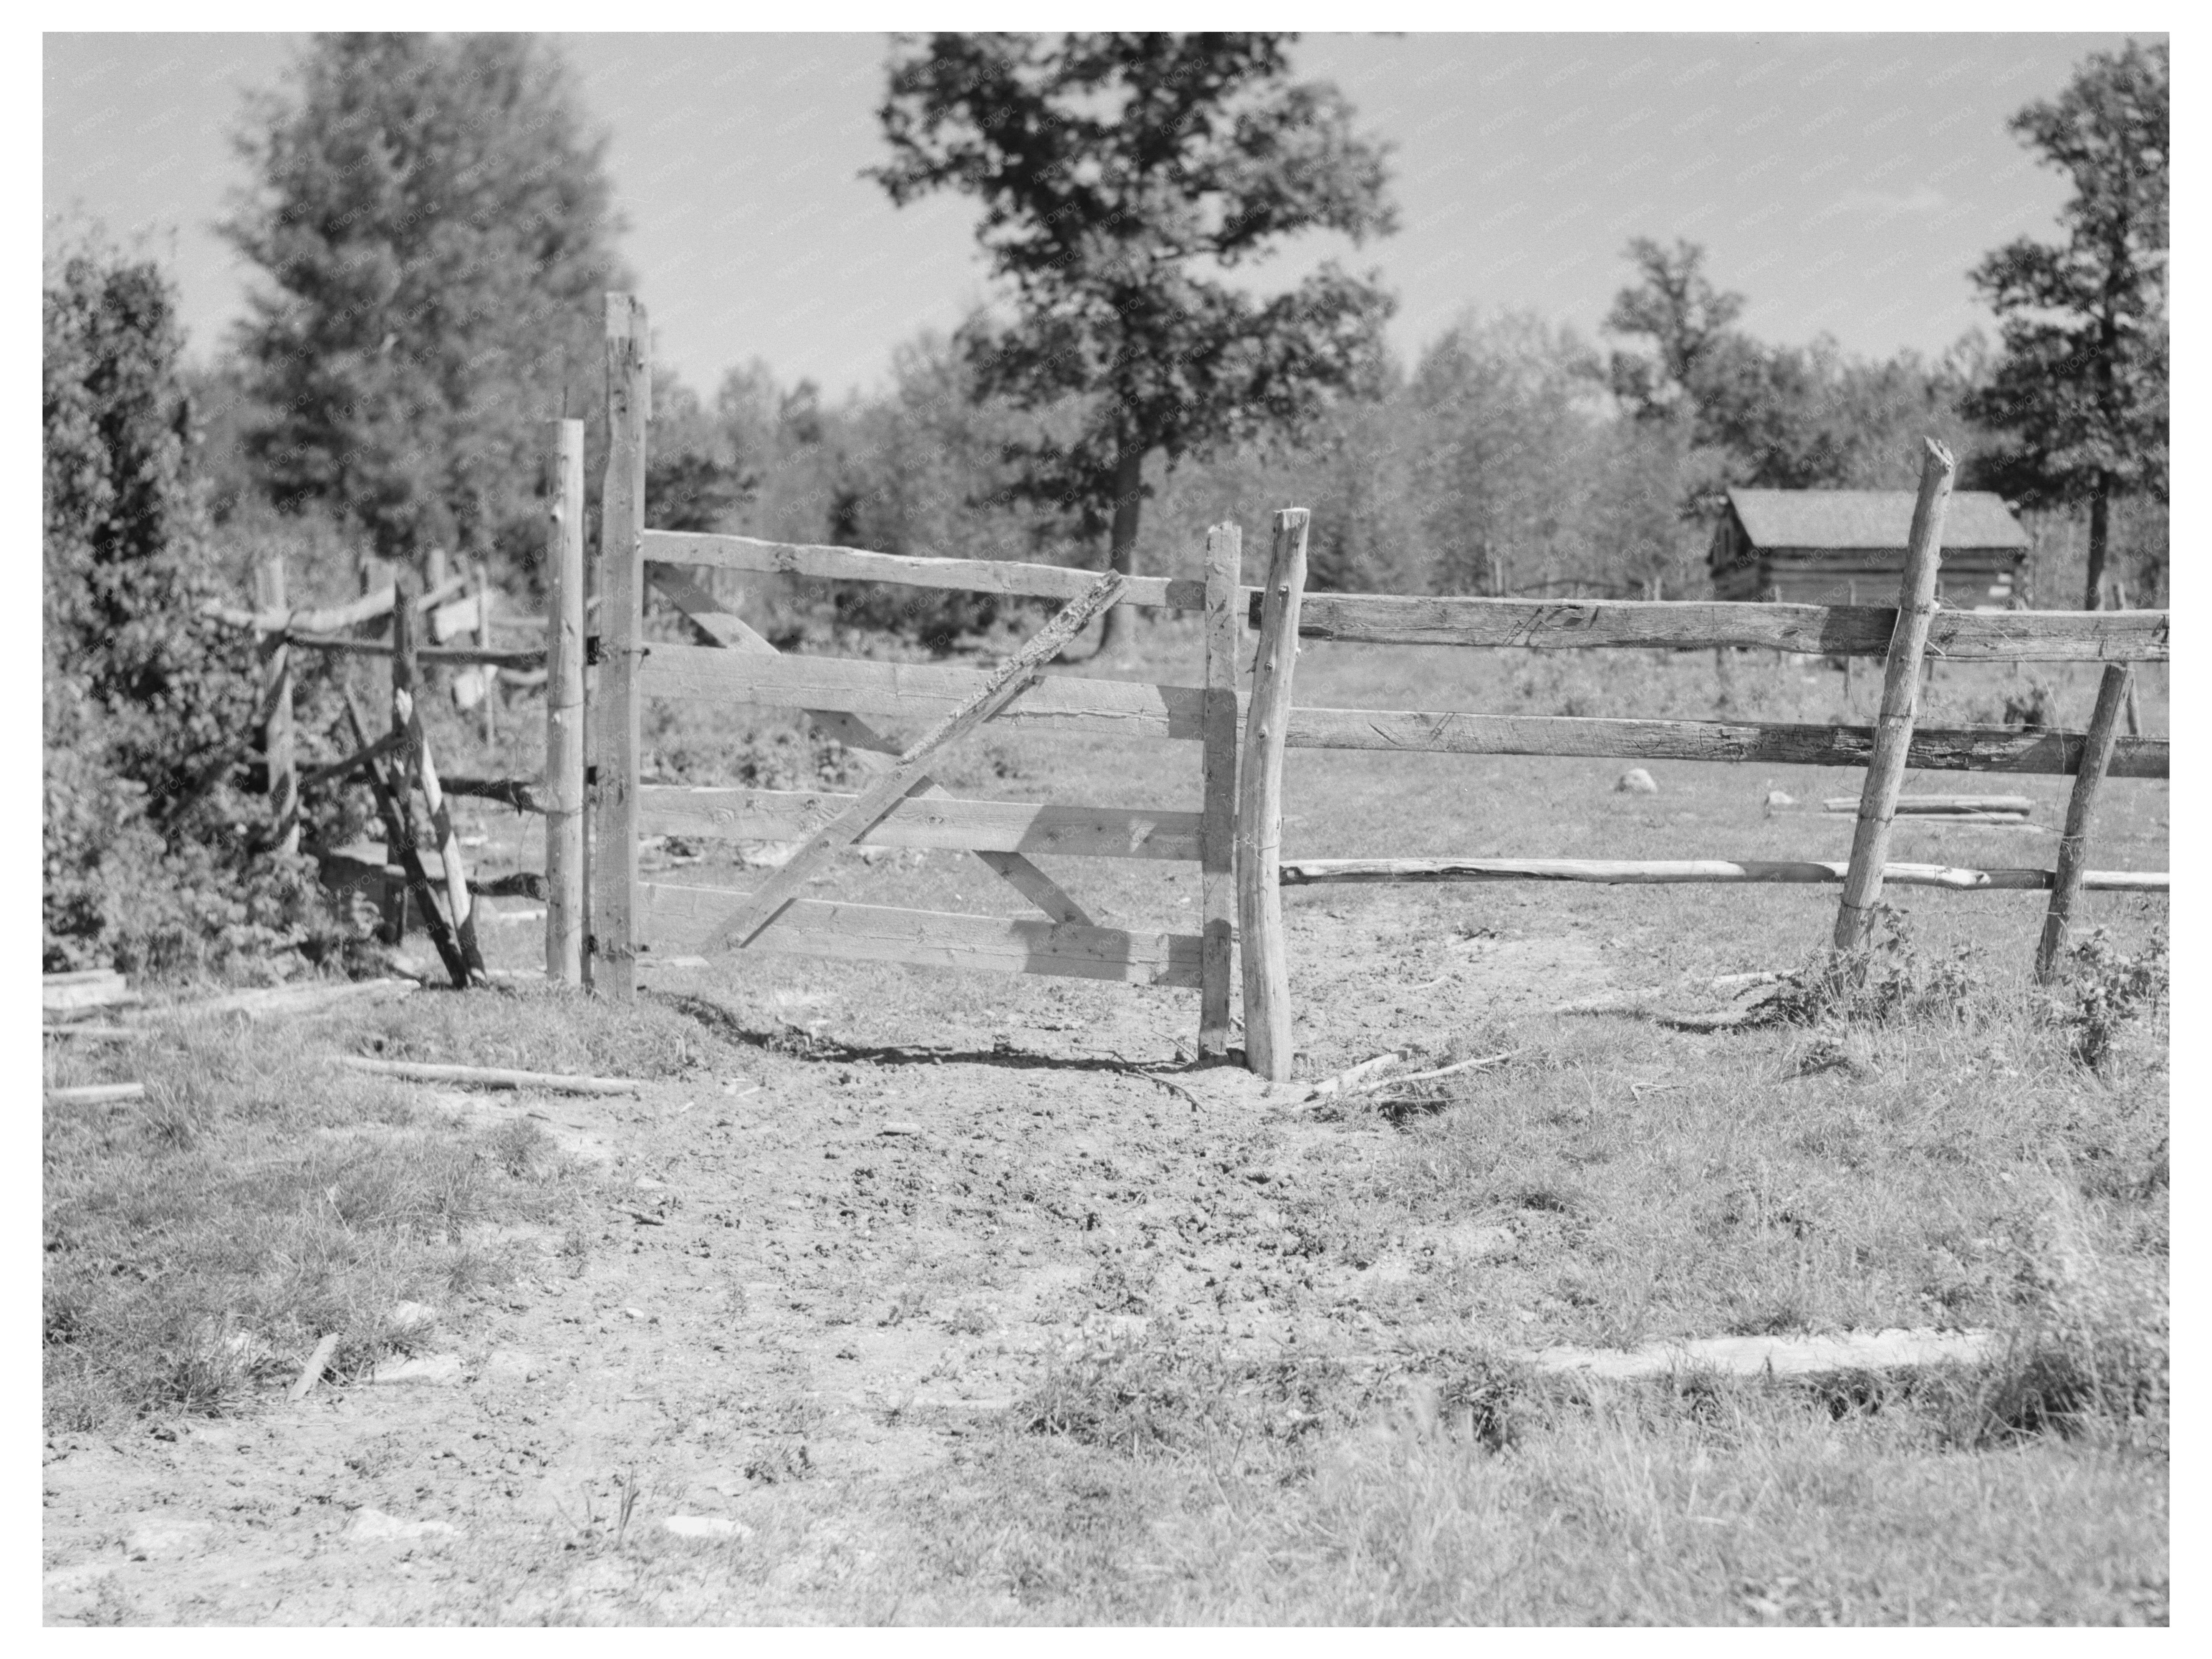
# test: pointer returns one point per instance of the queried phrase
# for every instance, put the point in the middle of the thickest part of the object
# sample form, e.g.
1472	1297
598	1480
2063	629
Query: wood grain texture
1224	553
563	783
1900	702
325	619
730	631
1018	675
2068	879
1059	702
1963	748
277	747
1314	873
399	836
453	656
679	921
460	907
1043	581
610	954
1267	977
926	820
1808	630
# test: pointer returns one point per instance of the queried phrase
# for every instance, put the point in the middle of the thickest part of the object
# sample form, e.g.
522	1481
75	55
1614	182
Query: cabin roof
1869	518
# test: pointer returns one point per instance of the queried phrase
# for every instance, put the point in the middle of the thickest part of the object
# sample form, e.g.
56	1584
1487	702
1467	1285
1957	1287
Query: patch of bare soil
827	1270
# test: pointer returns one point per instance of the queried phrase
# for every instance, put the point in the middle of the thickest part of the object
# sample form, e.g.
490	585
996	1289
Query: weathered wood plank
1266	975
1225	552
1940	806
611	943
928	820
678	920
1958	749
1017	675
1900	702
458	656
1043	581
276	731
1808	630
564	709
459	906
2068	880
1644	872
1059	702
727	630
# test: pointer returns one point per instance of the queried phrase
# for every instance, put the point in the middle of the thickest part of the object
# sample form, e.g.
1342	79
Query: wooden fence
605	924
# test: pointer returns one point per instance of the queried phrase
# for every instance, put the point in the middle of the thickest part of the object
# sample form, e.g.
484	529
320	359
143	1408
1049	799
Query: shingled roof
1875	519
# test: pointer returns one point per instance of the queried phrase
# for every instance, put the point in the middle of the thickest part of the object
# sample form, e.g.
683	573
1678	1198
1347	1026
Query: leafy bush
2111	989
1891	980
147	858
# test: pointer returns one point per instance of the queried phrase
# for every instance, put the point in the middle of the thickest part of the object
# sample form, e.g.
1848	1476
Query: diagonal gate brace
1014	678
725	629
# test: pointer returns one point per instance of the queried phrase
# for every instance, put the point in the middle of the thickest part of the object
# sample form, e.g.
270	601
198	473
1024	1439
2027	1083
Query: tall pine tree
435	229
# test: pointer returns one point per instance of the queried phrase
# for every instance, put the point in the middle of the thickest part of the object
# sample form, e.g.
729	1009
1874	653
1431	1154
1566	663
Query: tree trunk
2100	494
1121	554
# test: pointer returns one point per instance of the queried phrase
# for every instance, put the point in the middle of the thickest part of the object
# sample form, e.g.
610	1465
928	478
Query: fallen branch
1351	1076
95	1094
96	1033
484	1077
1427	1076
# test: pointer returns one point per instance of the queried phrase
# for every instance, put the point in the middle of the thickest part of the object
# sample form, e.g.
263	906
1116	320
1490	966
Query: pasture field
935	1297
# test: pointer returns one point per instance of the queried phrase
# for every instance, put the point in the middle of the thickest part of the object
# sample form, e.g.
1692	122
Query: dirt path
818	1275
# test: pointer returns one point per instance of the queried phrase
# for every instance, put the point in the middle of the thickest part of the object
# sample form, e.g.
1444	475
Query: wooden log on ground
1966	749
610	962
1268	1049
95	1094
678	922
484	1077
564	709
1043	581
1354	1076
90	1033
1918	805
84	990
1646	872
726	631
1014	677
1217	894
1846	631
932	820
2069	878
1900	698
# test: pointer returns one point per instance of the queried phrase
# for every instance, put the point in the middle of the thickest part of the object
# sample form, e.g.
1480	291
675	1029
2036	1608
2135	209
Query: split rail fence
604	923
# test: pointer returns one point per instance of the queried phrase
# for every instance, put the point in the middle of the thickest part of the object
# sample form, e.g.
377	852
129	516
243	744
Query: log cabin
1847	547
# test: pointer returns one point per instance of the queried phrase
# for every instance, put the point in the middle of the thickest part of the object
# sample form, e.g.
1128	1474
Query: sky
1844	184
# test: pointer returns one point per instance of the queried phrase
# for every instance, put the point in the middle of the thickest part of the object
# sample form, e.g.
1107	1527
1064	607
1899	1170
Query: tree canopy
1121	176
435	230
2082	389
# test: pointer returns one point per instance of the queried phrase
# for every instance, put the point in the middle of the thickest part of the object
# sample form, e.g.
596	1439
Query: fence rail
1837	631
1648	873
1040	581
927	821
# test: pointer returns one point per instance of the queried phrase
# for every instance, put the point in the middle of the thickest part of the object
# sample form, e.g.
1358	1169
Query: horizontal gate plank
983	826
1043	581
1812	629
1306	872
1964	749
918	691
676	920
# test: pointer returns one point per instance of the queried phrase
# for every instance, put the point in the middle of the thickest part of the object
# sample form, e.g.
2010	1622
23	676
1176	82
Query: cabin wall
1968	579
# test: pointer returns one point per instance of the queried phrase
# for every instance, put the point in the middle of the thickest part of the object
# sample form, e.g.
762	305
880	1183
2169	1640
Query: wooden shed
1847	547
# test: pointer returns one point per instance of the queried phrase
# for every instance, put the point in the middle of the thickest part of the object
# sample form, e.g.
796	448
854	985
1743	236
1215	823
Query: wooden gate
635	923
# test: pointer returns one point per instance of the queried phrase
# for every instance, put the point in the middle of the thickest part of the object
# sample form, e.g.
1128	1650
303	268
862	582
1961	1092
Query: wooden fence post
610	951
488	677
564	710
2112	695
1224	553
1268	1049
276	698
1900	698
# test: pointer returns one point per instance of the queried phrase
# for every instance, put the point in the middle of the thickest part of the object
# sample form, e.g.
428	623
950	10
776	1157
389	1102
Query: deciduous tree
1121	176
